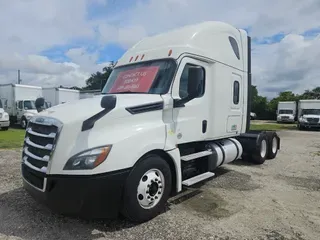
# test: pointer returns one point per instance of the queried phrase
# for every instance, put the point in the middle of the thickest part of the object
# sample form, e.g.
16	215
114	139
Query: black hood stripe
145	108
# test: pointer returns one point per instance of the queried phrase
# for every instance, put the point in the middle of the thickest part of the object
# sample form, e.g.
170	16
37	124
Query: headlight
303	119
28	117
6	116
88	159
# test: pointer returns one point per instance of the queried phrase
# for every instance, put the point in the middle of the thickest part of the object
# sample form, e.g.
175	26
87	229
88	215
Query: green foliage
99	79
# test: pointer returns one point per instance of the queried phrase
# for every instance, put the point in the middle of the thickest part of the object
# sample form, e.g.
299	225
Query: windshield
29	105
153	77
285	111
310	112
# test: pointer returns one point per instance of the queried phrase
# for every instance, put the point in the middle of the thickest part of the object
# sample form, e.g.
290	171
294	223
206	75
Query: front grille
35	178
313	120
39	144
284	117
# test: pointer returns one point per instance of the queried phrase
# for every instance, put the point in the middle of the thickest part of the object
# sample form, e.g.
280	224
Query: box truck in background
4	118
309	114
55	96
286	111
175	108
19	102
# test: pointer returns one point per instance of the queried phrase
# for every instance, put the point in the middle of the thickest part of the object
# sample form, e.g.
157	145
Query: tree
259	103
313	94
99	79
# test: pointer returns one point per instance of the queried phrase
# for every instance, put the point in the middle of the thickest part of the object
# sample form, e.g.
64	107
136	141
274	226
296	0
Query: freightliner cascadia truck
175	108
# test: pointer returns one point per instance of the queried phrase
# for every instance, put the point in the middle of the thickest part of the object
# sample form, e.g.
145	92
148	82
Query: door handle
204	126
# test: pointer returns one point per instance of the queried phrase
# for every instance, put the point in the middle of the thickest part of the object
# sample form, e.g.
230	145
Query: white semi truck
175	108
19	101
4	118
309	114
286	111
55	96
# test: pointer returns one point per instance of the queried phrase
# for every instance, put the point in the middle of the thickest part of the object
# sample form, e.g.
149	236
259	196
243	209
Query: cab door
191	119
20	110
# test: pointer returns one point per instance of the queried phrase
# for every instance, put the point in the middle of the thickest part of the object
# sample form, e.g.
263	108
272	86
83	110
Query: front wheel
24	123
5	128
147	189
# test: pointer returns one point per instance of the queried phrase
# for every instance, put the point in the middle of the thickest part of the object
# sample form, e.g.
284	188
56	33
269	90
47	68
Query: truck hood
311	116
85	108
31	112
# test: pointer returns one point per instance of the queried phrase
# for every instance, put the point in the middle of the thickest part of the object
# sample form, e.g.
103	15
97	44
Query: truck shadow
21	216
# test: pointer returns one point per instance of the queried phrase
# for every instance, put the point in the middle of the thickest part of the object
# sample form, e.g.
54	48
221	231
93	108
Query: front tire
147	189
5	128
24	123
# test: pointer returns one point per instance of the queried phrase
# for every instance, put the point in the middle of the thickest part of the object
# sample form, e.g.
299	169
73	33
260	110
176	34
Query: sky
60	42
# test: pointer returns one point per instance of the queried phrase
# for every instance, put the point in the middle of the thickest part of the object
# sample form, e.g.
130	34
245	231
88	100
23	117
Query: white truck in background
175	108
286	111
309	114
55	96
4	118
19	102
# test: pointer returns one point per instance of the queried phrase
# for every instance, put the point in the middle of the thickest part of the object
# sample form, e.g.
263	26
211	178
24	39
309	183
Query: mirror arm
177	103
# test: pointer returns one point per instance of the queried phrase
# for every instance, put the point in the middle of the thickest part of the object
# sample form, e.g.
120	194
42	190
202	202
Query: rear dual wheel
267	148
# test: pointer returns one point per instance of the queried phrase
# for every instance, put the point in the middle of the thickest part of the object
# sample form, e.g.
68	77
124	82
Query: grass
273	126
13	138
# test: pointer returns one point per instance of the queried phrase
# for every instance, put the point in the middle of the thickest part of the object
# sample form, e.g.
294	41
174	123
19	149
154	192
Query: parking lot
277	200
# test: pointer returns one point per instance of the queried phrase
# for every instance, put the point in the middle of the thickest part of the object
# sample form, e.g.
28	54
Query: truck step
196	155
198	178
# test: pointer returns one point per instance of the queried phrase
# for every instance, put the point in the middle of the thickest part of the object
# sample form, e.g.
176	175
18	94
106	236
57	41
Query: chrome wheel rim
23	123
274	145
263	150
150	188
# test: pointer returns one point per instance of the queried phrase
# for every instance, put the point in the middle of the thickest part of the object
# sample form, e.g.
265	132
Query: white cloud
32	26
289	65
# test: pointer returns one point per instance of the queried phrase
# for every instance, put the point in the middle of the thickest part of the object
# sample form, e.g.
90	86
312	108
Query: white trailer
286	111
309	113
175	108
55	96
4	118
19	101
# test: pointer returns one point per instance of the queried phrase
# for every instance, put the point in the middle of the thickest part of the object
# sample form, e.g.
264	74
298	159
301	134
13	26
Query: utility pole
19	79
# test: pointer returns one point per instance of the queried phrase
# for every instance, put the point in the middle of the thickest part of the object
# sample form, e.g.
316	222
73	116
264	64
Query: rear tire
273	146
260	155
147	189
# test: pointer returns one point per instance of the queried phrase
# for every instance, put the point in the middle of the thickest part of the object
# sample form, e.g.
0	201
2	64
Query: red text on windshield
135	80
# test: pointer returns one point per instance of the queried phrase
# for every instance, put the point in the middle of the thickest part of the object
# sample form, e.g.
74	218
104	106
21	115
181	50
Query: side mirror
39	104
195	77
108	102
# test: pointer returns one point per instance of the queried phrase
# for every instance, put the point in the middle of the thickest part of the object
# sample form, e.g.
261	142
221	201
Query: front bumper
287	120
98	196
309	125
4	124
